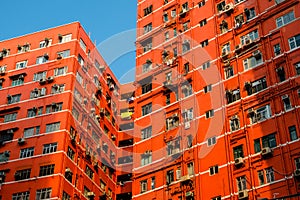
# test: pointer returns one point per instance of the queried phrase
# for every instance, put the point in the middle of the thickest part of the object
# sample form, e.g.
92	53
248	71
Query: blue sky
106	21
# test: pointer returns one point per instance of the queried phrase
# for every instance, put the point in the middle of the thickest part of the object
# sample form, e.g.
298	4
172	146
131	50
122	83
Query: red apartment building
217	100
58	125
212	114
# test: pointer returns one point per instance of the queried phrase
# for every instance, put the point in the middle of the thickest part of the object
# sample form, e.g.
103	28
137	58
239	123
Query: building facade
58	117
217	100
212	113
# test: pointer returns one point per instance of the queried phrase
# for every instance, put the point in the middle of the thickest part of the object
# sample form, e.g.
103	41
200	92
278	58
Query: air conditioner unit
185	178
266	151
285	96
43	80
50	79
243	194
189	194
256	54
98	117
148	153
297	173
248	40
101	111
68	171
228	7
90	194
187	125
113	137
85	100
10	131
112	86
238	161
21	141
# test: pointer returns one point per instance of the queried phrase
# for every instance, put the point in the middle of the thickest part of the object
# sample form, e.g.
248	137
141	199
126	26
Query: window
17	80
146	132
153	183
80	60
185	26
239	20
267	141
187	90
167	36
286	102
261	177
45	43
207	88
297	163
228	72
277	50
294	42
42	59
22	174
52	127
269	175
206	65
65	38
148	10
147	45
260	114
213	170
147	66
39	76
285	19
204	43
55	89
280	74
168	99
233	95
43	194
201	3
234	123
82	45
60	71
186	46
249	38
173	147
31	112
175	49
144	186
211	141
256	86
188	114
241	183
172	122
170	176
24	48
148	28
173	13
71	153
216	198
253	61
49	148
250	13
27	152
221	6
297	68
146	158
146	109
46	170
28	132
293	133
21	196
63	54
21	64
203	22
165	17
209	114
54	107
66	196
10	117
13	99
190	168
89	172
238	152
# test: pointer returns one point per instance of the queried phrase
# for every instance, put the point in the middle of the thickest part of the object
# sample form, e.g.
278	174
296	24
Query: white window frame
285	19
21	64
